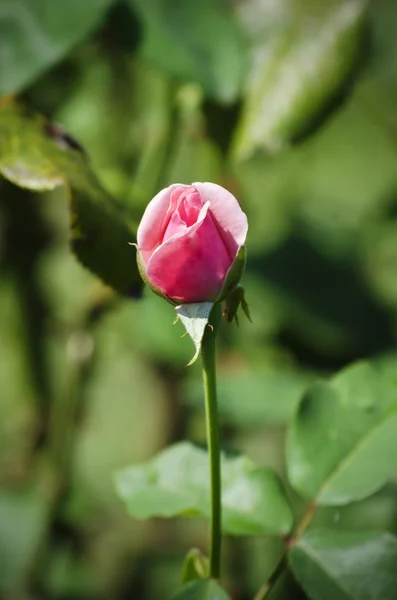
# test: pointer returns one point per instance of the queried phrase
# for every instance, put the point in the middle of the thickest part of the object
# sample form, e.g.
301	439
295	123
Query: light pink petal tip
150	227
233	224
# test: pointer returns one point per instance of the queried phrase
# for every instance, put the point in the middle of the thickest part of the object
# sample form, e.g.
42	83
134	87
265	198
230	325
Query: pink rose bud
188	239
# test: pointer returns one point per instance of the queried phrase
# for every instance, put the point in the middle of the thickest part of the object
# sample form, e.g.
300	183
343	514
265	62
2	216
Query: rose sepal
194	318
233	302
234	274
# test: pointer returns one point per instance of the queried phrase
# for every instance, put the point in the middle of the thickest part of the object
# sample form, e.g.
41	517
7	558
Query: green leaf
176	482
342	443
26	150
300	57
201	590
194	41
195	566
38	156
35	35
346	565
195	319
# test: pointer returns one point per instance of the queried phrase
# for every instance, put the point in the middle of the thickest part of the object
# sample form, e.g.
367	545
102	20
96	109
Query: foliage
291	106
177	483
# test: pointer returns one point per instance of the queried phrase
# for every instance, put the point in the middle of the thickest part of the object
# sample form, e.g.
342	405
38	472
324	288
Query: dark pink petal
192	265
230	220
156	218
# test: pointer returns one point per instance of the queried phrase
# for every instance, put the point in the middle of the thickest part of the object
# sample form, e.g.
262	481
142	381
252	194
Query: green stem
211	415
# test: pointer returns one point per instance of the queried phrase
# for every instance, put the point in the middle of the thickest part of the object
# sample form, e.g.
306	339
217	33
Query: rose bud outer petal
152	225
142	270
191	266
231	221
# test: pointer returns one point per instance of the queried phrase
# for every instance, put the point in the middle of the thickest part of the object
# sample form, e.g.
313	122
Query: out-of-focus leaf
345	177
269	397
326	301
126	416
35	35
266	185
346	565
207	589
38	156
300	59
176	482
339	181
284	588
68	287
343	441
380	260
194	41
122	117
67	574
99	111
267	311
18	397
24	515
151	130
195	157
262	554
150	324
383	58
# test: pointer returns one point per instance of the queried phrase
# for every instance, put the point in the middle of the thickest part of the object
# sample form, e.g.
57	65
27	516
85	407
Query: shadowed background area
289	104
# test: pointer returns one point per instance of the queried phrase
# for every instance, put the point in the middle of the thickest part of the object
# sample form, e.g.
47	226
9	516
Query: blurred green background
290	104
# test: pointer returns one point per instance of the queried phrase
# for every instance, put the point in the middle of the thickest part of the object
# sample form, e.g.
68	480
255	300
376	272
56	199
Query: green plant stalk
212	427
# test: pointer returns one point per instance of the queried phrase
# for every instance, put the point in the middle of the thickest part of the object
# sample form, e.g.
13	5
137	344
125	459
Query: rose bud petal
188	239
